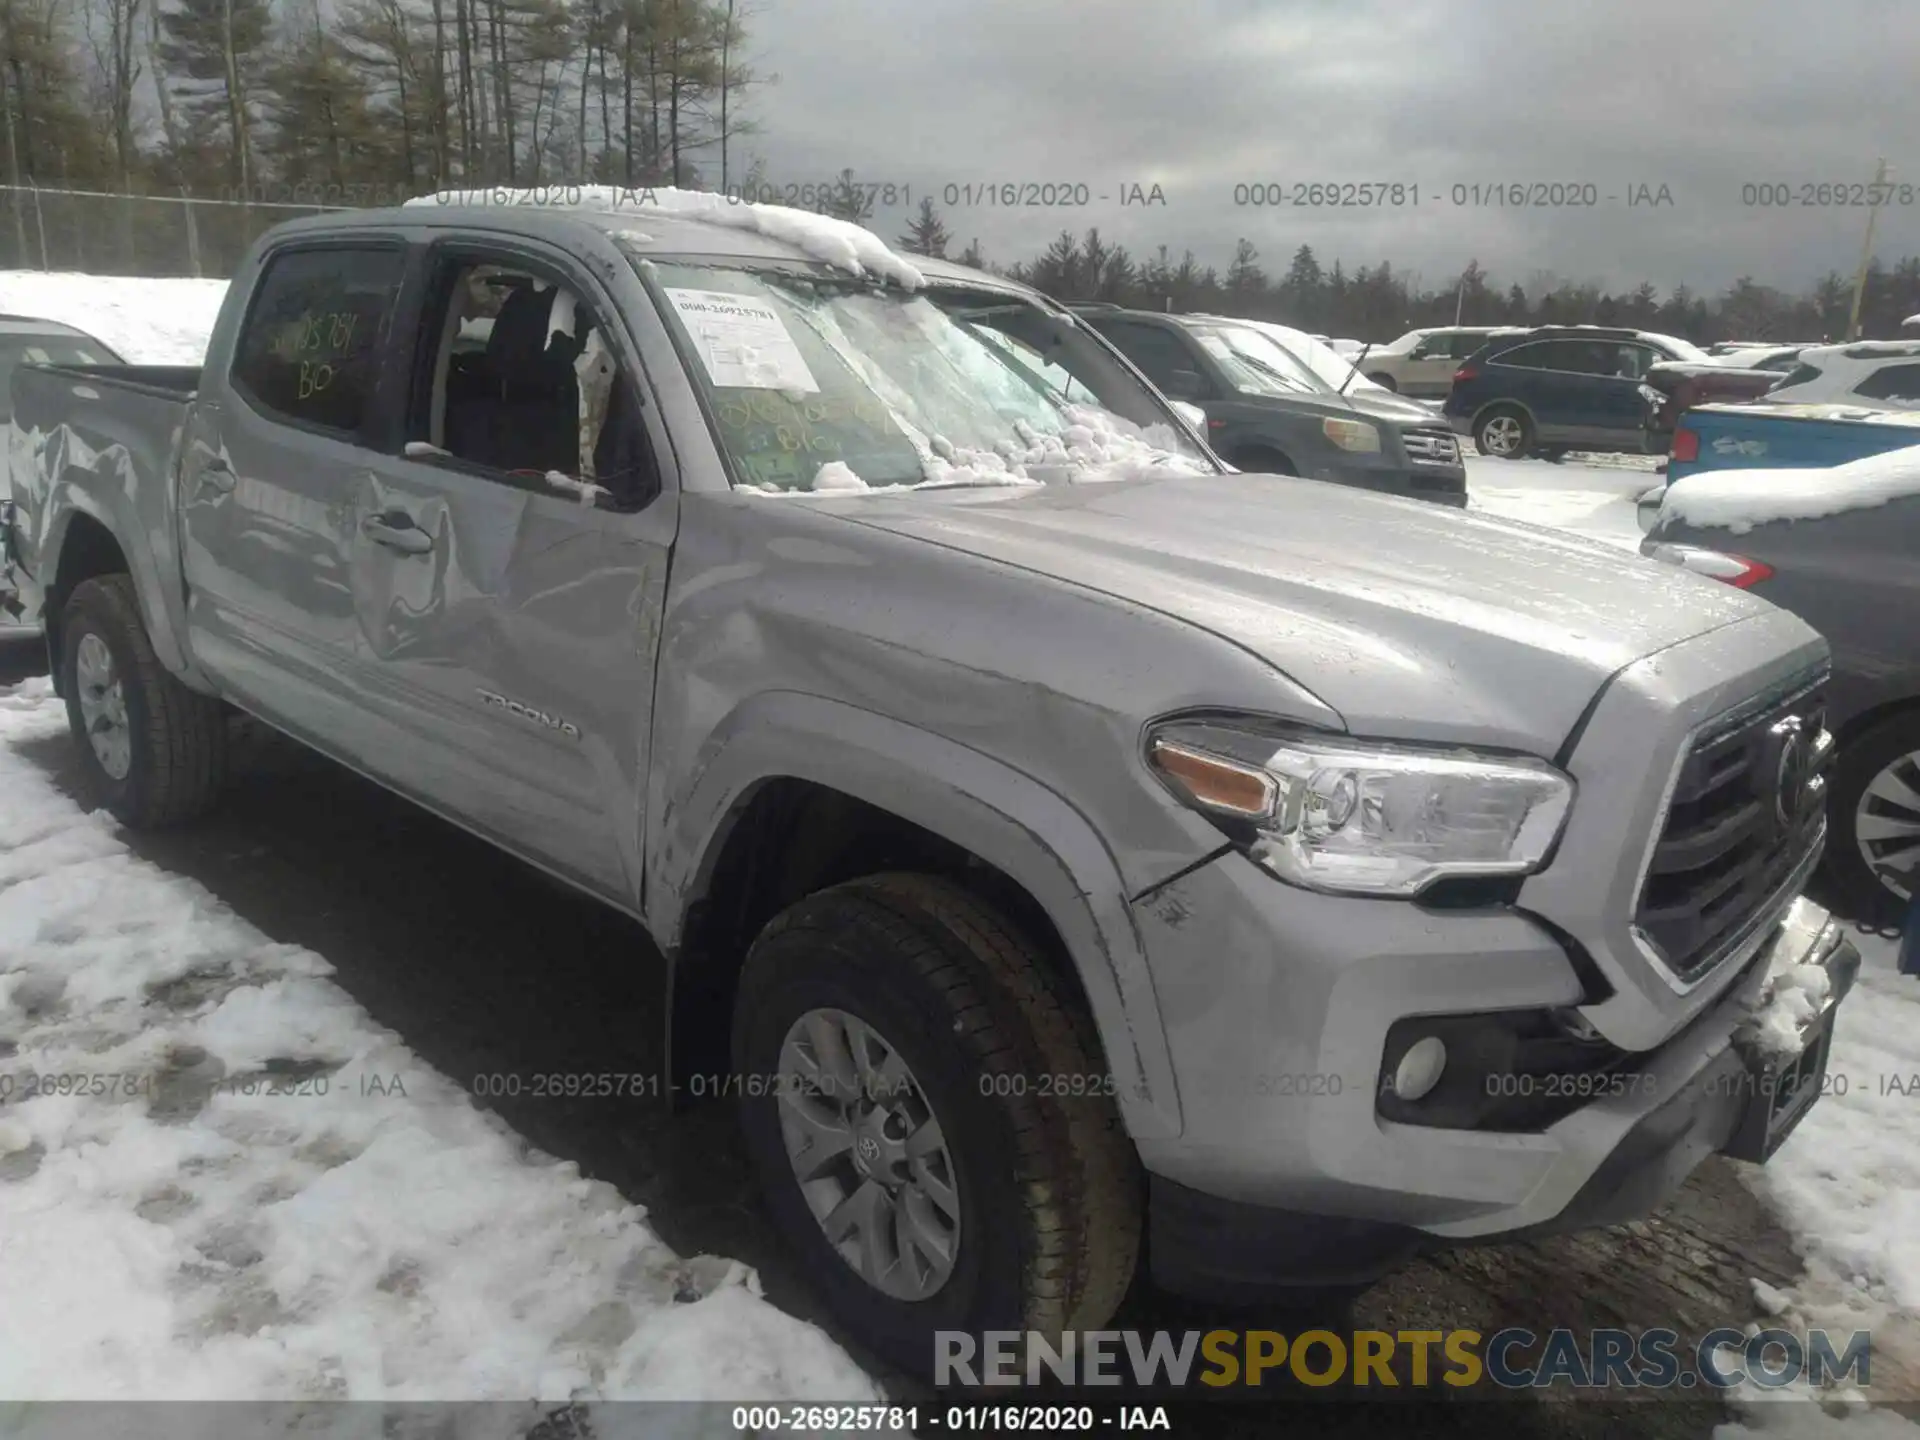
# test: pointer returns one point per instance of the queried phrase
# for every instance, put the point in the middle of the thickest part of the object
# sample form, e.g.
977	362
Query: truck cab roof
651	229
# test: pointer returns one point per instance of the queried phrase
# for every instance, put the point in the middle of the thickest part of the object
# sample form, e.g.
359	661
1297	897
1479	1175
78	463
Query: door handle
218	474
396	530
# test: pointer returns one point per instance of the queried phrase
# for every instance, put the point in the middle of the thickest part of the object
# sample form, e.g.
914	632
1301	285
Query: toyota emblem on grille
1792	770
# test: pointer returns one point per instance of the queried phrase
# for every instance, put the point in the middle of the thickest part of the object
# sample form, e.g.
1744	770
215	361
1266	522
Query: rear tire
1504	432
1875	770
154	751
1044	1185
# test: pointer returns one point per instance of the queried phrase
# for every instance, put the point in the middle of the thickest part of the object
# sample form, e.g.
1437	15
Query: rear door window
310	345
1158	353
1891	382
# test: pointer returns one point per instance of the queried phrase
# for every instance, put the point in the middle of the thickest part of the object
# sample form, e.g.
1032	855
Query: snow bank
1738	500
837	242
1847	1184
148	321
365	1233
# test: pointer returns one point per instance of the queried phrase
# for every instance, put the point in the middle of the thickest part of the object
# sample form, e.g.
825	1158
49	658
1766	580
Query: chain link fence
102	233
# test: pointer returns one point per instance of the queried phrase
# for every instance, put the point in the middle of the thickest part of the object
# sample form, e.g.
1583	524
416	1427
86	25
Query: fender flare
104	499
1000	814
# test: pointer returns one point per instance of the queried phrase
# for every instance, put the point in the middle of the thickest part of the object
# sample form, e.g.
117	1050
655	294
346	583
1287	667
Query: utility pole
1460	298
1866	250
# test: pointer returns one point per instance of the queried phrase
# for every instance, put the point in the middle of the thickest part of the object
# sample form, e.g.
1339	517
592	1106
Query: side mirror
1183	385
1192	414
1647	508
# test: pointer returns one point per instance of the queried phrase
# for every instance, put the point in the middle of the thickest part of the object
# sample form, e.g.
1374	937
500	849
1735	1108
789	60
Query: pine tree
848	200
222	44
1246	281
973	256
926	233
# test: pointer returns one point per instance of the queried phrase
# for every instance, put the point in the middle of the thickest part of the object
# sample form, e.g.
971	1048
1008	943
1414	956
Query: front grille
1431	447
1746	813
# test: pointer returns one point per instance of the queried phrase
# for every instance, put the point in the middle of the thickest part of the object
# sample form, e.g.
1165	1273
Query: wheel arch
794	793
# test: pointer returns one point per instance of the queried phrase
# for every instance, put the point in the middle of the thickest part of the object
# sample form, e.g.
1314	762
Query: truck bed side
1765	436
91	464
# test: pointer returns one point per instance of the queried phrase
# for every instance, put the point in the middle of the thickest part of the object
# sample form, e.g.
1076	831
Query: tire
1048	1187
1872	768
1505	432
1260	461
172	763
1385	382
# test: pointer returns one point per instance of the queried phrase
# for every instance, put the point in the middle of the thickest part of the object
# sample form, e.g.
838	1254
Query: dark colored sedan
1853	576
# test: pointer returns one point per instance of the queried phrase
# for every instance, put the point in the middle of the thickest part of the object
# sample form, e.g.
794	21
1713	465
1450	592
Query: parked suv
1873	374
1422	362
1267	411
1051	839
1560	388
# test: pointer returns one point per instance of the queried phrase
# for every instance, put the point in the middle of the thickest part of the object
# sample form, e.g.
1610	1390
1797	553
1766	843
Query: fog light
1420	1068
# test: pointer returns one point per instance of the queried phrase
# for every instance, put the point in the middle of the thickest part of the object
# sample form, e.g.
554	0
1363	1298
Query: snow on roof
1911	320
839	243
1738	500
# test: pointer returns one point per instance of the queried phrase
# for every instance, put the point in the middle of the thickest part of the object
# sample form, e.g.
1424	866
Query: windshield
1333	369
16	350
1254	364
822	382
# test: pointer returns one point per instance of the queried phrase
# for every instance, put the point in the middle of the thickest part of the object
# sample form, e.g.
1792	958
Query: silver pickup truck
1065	848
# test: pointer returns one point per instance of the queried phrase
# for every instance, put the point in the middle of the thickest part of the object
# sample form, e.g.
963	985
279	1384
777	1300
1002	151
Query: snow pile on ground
1738	500
237	1186
837	242
148	321
1848	1182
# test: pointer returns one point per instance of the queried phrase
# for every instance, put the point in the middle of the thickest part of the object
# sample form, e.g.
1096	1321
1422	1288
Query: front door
510	563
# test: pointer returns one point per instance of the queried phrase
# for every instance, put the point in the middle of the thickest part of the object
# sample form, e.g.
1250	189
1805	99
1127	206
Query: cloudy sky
1703	97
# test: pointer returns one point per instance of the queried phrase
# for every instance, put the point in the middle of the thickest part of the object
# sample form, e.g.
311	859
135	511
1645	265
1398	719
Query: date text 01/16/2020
769	1420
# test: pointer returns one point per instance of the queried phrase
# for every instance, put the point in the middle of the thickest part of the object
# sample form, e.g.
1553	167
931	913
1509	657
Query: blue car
1559	388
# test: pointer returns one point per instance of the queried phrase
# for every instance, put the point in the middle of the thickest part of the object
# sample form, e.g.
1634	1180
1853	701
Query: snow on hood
146	320
839	243
1738	500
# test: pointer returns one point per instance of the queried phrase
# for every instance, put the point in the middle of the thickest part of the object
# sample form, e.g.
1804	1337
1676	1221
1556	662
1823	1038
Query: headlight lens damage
1362	817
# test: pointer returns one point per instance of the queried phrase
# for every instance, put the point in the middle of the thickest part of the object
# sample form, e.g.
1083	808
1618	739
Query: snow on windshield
839	243
819	386
1738	500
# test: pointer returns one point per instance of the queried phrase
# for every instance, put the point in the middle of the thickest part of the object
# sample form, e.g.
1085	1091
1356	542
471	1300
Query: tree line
1377	302
370	100
239	98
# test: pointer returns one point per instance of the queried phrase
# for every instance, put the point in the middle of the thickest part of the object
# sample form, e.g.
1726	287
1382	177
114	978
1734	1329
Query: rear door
276	447
507	615
1429	366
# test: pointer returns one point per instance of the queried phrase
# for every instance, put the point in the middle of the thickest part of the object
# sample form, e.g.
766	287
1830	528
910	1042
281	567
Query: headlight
1365	818
1351	434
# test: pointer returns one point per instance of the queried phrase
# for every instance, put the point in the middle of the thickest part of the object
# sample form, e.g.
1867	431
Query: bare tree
112	37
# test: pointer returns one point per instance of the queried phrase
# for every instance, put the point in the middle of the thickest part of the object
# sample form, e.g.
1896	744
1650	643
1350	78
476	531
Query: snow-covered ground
176	1230
150	322
1589	495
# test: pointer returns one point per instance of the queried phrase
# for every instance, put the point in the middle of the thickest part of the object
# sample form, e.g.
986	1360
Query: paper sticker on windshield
742	341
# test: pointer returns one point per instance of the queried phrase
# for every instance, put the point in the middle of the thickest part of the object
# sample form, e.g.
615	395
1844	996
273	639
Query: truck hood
1372	405
1412	620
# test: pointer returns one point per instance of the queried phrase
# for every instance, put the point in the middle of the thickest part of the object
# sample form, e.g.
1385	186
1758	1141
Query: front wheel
1503	433
1873	849
154	751
927	1123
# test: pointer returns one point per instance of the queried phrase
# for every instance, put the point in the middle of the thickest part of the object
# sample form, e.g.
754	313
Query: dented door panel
513	655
